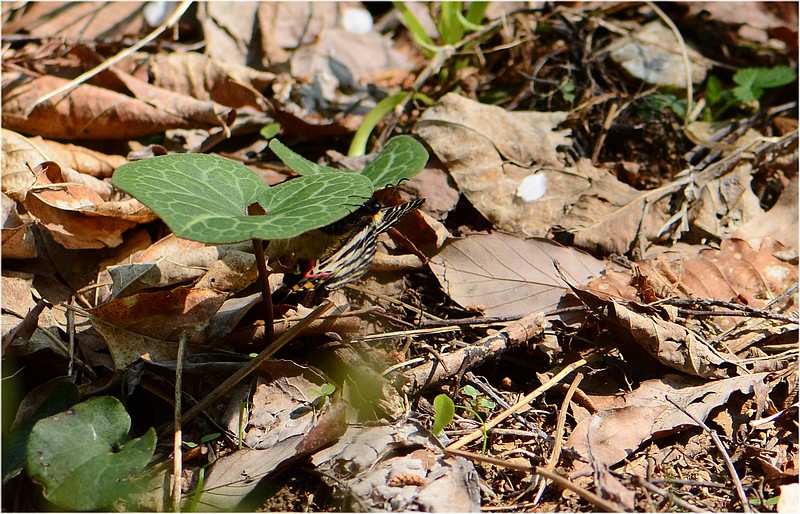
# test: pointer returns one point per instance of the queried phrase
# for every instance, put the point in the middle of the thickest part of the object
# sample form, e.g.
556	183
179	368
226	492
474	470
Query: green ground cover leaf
82	458
206	197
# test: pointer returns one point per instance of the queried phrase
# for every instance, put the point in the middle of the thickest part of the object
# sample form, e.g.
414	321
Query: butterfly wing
352	260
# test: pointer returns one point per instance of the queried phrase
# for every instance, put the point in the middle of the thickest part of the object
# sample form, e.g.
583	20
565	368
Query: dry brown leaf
612	434
91	112
18	242
81	20
147	325
281	427
204	78
18	299
509	275
489	152
670	343
22	154
78	217
610	216
726	203
779	223
172	261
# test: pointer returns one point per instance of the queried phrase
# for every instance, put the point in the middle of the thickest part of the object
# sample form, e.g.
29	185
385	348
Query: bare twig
522	403
177	451
546	473
728	463
266	293
555	454
669	495
473	355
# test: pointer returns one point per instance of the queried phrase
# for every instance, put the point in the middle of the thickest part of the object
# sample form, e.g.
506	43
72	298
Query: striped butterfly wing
352	260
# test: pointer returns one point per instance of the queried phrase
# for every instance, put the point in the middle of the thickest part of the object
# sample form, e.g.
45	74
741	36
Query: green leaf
450	29
445	411
753	81
45	400
713	90
470	391
417	30
296	161
270	130
402	158
206	197
81	459
358	146
476	12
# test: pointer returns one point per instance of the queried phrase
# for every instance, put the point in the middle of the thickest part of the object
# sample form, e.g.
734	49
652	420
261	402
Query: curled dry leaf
612	434
78	217
509	275
21	154
610	216
779	223
17	239
147	325
92	112
173	260
205	78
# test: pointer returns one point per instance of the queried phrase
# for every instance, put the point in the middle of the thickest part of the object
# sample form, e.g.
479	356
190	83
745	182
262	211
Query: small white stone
156	12
357	21
532	187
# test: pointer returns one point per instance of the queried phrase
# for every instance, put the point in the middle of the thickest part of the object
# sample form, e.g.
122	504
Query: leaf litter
660	263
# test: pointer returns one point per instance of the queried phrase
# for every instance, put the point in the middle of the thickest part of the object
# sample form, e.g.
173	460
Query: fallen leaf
489	152
509	275
78	217
147	325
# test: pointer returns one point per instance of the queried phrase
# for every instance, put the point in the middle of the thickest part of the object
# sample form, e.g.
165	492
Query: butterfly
351	260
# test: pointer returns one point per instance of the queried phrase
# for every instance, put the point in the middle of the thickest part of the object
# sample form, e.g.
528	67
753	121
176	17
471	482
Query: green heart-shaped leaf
81	458
206	197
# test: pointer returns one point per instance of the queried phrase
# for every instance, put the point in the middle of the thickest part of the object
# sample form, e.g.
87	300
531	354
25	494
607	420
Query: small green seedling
750	86
479	407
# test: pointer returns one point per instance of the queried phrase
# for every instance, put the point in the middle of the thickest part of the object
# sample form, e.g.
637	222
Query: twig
555	454
177	456
266	294
523	403
83	77
669	495
546	473
473	355
728	463
687	63
251	366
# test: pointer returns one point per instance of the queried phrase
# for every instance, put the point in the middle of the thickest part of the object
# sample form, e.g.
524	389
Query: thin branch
728	463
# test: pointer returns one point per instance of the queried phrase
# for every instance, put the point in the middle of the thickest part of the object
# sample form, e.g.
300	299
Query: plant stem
266	293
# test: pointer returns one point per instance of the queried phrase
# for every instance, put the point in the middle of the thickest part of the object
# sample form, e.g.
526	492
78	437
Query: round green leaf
206	197
79	459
